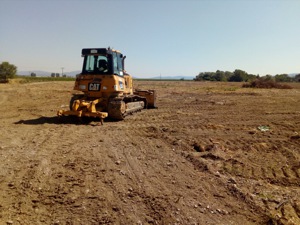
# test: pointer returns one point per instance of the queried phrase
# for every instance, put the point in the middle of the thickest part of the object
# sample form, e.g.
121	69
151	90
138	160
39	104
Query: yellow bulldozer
106	88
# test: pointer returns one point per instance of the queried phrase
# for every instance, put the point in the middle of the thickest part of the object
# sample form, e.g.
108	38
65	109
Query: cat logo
94	86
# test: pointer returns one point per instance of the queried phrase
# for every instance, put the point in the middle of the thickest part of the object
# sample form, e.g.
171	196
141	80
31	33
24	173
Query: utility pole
62	71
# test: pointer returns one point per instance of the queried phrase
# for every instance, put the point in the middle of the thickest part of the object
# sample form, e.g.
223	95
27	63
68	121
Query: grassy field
29	79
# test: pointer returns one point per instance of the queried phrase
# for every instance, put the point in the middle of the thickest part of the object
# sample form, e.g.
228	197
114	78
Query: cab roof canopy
97	51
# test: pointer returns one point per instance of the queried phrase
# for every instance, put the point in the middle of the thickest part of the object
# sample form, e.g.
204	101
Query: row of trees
9	71
237	76
242	76
57	75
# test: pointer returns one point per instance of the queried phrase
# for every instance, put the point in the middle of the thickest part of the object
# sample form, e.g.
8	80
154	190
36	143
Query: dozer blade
150	95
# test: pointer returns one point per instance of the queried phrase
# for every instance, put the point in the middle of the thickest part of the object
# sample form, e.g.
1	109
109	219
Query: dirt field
212	153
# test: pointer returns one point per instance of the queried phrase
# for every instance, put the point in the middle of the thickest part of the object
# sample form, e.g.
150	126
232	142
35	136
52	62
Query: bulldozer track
116	109
119	108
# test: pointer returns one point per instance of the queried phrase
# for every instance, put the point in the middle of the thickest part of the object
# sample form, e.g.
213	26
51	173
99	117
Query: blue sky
167	37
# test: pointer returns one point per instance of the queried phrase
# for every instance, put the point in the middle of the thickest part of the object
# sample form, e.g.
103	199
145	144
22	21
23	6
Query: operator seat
102	65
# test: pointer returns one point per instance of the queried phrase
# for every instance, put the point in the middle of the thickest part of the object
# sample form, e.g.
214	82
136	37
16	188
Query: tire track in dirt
159	137
277	177
282	176
165	134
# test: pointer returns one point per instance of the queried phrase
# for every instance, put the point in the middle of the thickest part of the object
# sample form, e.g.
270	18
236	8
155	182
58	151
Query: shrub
266	83
7	71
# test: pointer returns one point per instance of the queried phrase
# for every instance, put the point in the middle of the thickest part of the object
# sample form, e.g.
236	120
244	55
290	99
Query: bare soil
212	153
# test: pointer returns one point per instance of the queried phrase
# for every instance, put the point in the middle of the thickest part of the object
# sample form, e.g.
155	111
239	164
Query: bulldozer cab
102	61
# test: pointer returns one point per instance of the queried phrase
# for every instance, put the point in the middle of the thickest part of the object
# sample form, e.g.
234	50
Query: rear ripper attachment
84	108
107	88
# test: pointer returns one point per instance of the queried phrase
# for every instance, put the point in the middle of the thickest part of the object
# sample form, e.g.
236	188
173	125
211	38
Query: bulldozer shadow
63	120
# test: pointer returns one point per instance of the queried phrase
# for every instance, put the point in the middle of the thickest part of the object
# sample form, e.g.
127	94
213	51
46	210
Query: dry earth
197	159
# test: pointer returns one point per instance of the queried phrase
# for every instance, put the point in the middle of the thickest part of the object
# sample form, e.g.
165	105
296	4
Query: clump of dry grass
262	83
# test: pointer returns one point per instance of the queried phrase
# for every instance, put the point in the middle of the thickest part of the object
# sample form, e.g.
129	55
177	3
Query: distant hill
37	72
73	73
41	73
293	74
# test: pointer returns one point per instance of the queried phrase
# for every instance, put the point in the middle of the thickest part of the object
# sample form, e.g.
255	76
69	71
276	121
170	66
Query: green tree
220	76
212	76
228	74
239	76
252	77
236	76
282	78
267	77
208	76
7	70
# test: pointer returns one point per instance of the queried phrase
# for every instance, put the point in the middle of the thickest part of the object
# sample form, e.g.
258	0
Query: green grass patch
29	79
231	89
